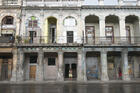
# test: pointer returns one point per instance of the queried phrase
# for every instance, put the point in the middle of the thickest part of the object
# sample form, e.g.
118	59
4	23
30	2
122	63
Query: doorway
90	34
32	35
33	62
72	68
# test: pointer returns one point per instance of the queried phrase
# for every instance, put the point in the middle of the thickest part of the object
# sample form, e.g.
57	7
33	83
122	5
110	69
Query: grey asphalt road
70	88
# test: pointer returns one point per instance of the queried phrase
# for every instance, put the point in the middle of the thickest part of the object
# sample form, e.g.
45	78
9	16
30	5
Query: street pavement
71	88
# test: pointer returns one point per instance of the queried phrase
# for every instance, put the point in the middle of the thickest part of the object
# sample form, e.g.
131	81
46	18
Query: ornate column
120	2
60	76
81	68
104	70
39	72
125	74
122	29
102	28
20	65
14	70
101	2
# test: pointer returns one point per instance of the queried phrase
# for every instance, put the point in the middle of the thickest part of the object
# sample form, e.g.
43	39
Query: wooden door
32	72
90	34
109	34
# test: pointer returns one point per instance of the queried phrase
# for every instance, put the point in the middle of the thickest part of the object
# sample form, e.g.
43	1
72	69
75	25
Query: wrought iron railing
80	40
8	39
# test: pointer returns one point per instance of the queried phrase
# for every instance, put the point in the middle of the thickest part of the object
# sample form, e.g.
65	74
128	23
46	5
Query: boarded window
69	36
51	61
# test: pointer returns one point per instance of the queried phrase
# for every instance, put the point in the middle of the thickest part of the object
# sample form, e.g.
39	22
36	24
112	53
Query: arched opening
132	28
52	30
111	28
91	28
8	29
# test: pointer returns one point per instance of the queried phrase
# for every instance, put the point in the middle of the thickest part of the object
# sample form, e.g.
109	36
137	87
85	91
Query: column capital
60	53
125	51
103	51
122	18
102	18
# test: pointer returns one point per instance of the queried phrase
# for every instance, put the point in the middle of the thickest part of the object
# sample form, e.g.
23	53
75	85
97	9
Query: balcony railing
80	40
9	39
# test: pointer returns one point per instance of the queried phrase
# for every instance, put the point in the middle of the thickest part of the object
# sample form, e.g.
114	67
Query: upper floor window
33	22
70	21
7	2
8	20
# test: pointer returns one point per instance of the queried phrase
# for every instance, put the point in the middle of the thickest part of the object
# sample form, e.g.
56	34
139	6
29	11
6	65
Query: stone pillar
125	74
138	2
60	76
101	2
122	29
81	73
102	28
104	70
39	72
14	70
20	62
120	2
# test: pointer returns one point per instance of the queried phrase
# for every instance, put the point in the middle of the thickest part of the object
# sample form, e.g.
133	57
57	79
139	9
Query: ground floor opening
93	65
70	66
114	65
6	62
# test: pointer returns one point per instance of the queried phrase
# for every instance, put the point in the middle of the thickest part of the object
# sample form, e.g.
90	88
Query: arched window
8	20
33	22
70	21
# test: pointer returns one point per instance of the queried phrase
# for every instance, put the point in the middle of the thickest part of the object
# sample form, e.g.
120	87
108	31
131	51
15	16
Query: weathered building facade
64	40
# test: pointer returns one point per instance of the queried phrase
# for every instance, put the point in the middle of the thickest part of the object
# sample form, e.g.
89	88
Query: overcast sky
106	2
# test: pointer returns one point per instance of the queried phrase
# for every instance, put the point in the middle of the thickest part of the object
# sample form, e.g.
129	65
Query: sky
106	2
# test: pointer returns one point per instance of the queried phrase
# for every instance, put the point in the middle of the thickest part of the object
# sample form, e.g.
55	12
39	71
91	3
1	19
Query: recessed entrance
5	67
70	71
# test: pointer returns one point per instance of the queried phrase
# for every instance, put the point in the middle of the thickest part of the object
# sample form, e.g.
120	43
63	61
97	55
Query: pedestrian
70	73
120	73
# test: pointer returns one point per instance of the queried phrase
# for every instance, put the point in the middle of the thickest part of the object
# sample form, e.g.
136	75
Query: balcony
8	27
8	39
97	41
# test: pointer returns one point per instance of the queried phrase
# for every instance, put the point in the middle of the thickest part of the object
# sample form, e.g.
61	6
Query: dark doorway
4	70
73	68
67	67
32	35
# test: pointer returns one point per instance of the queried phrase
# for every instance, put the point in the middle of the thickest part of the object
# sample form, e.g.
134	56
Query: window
51	61
69	21
33	22
33	59
69	36
109	33
8	20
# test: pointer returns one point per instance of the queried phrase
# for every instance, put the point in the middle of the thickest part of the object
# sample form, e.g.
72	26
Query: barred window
7	2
